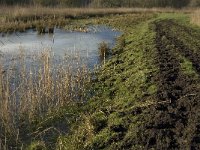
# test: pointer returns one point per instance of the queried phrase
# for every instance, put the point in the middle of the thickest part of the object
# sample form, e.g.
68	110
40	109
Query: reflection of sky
62	42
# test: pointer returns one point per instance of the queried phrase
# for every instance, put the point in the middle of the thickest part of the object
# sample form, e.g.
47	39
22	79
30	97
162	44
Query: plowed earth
175	121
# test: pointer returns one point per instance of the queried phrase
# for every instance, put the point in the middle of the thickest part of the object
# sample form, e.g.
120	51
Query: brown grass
195	17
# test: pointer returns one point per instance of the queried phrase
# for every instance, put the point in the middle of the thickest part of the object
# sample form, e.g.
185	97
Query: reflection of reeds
32	90
195	17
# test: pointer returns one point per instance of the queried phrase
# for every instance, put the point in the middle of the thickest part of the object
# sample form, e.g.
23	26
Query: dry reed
103	50
33	86
18	11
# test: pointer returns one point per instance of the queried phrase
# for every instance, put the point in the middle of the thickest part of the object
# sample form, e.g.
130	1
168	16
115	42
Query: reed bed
18	18
195	17
38	11
32	86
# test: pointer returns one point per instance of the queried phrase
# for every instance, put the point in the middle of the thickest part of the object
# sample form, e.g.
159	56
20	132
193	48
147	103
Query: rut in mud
175	122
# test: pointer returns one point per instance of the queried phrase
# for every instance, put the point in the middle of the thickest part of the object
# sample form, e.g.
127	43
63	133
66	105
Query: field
145	96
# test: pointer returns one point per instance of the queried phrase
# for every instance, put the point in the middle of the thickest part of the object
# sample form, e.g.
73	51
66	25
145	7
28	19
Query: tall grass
195	17
32	87
15	11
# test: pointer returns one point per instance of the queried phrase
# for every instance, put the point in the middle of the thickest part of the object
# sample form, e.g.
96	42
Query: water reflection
72	45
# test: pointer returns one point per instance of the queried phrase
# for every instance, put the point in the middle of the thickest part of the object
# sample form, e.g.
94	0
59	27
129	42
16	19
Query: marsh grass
18	18
38	11
195	17
32	87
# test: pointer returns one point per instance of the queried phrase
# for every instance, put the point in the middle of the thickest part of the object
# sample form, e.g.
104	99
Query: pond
61	43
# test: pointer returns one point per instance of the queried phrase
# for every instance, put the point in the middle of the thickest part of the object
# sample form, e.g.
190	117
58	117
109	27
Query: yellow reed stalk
195	17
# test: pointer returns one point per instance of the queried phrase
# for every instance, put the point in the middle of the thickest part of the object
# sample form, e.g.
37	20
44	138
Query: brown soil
175	122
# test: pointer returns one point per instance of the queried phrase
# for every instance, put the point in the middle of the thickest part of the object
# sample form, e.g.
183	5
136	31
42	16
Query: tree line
105	3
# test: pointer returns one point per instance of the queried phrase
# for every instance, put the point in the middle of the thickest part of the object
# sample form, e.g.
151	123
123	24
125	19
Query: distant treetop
106	3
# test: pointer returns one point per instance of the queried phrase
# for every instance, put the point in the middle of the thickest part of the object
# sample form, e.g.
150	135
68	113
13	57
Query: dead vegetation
32	87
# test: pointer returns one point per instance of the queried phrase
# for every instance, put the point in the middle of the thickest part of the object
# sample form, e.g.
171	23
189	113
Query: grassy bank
123	88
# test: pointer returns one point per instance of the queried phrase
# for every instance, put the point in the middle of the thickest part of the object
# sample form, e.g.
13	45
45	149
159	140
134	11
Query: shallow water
61	43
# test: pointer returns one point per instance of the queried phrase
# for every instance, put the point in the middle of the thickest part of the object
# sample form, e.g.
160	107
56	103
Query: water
61	43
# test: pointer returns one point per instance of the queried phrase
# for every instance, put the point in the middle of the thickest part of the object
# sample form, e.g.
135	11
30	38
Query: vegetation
146	96
33	97
122	91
